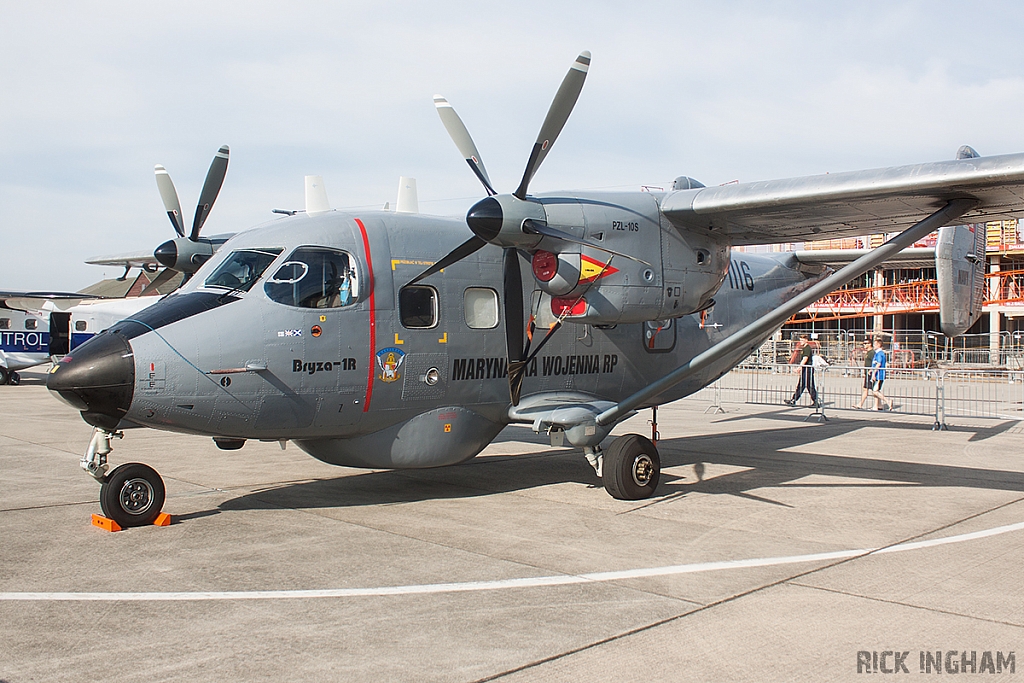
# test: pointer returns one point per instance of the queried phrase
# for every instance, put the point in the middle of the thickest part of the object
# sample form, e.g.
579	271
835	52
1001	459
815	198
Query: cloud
96	94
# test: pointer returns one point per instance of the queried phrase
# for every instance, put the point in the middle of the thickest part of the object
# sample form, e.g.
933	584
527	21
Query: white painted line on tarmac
502	584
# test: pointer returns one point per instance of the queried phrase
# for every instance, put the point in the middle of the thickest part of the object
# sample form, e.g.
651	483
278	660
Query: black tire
132	495
632	468
14	379
4	376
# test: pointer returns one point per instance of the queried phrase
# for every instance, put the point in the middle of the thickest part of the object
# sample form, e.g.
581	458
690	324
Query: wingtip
440	101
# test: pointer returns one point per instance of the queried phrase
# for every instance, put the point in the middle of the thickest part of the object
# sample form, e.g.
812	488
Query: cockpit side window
242	268
315	277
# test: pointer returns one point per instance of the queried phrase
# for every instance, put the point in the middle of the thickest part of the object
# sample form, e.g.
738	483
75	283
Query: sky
95	94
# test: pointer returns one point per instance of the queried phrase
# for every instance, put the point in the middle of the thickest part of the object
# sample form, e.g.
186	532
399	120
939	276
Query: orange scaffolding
1006	288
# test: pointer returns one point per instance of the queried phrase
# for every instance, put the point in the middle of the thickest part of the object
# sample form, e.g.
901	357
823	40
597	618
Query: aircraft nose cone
167	253
97	378
484	219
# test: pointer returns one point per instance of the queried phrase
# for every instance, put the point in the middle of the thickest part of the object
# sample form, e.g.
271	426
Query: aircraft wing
851	204
41	302
139	259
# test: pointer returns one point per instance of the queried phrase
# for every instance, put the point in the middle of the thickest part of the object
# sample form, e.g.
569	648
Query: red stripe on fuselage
373	316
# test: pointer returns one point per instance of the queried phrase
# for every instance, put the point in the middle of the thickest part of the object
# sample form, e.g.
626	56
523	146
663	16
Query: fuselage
257	356
24	339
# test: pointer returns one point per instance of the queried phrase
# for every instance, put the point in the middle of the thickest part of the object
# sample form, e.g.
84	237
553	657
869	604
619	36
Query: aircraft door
418	359
60	334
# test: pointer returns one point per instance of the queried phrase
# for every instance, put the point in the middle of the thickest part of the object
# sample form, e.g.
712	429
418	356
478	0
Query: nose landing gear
132	494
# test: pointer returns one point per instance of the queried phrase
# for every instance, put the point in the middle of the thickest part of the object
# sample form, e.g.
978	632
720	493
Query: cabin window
5	323
481	306
80	325
417	306
242	268
31	323
314	277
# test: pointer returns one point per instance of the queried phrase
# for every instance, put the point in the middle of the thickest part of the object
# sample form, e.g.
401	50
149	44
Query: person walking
806	373
878	369
869	374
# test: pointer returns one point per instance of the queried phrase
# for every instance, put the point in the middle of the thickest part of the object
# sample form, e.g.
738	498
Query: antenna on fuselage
316	196
407	201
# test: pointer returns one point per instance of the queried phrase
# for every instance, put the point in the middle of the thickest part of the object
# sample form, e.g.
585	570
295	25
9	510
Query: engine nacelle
671	274
184	255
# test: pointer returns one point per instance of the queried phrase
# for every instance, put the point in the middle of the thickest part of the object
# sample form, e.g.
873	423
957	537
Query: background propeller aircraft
393	340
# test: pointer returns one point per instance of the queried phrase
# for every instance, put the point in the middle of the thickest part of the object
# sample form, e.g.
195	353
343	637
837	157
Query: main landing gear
132	494
9	377
630	468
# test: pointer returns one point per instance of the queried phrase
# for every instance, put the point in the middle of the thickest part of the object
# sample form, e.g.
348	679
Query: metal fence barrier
935	392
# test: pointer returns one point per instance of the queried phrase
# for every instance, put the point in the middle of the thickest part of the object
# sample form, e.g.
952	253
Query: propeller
186	253
510	221
558	114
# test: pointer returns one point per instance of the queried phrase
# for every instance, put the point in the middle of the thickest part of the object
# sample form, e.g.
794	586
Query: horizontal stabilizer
915	257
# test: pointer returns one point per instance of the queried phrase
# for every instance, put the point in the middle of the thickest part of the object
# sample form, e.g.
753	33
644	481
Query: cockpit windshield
242	268
315	277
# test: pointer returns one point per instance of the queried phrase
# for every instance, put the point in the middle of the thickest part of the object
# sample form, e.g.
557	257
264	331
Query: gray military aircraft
392	340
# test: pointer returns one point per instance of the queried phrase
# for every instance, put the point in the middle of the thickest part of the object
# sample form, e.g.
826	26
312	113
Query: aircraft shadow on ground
769	458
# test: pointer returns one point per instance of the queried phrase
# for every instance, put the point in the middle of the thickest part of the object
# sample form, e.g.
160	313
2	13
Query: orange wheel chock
107	524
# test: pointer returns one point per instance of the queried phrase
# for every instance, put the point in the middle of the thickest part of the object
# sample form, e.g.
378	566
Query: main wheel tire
132	495
14	379
4	376
632	468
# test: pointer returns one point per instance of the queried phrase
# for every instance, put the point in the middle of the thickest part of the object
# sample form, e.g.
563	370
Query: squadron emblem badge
389	360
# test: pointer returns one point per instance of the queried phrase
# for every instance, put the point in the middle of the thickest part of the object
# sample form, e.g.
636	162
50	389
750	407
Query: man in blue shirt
878	363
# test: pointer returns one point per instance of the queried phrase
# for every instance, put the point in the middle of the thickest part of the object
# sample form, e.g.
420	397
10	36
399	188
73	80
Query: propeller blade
530	225
169	196
558	114
165	275
460	252
513	300
462	139
211	188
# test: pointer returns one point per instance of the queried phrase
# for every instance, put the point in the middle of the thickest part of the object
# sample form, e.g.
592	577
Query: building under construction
899	301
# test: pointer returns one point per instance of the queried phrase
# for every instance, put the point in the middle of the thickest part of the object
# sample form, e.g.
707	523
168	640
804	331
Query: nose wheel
132	495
